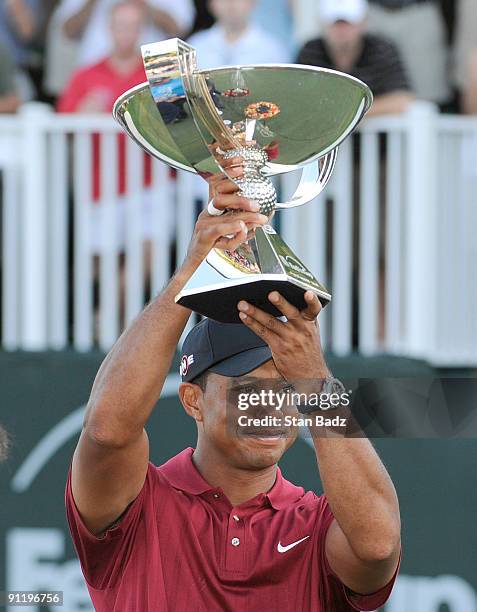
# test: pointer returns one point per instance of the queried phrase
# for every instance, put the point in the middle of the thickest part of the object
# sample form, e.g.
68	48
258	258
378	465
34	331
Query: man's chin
264	450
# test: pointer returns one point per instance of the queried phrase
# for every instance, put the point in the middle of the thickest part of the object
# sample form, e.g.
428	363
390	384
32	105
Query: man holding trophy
218	527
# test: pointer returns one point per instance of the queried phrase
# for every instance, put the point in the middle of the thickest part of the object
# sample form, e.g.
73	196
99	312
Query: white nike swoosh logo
283	549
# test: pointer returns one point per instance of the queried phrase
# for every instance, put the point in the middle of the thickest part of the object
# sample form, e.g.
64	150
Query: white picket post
34	278
421	230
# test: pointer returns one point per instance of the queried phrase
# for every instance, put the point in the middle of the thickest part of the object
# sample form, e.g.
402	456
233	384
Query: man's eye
248	390
288	389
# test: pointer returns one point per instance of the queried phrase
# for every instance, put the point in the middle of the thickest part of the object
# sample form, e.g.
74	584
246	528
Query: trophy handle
314	178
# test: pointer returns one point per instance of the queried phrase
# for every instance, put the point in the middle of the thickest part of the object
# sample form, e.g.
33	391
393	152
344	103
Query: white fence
394	236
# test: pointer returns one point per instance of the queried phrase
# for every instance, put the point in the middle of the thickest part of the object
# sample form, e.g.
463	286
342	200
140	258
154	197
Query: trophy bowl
278	118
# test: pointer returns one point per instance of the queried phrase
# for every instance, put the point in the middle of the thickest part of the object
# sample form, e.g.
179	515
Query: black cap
223	348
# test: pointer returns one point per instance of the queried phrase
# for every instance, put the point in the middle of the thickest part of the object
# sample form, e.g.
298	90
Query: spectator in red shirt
94	89
218	527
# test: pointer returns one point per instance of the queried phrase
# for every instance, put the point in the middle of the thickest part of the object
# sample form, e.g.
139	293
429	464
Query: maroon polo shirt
182	546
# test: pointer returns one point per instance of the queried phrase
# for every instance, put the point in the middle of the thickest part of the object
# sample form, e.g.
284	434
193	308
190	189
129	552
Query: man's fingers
226	187
230	244
234	171
224	201
250	218
210	229
287	309
313	308
266	322
233	161
227	228
224	183
263	332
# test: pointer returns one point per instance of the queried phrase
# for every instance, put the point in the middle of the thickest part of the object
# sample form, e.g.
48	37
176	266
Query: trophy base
251	272
220	301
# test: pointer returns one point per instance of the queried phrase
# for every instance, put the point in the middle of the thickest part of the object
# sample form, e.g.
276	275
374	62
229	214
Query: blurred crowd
79	54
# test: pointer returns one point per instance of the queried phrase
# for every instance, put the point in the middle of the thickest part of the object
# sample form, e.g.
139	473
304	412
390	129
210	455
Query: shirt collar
182	474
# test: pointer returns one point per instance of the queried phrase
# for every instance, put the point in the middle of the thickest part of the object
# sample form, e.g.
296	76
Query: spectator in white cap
346	46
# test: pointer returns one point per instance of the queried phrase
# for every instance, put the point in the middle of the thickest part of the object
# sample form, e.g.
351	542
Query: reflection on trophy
278	118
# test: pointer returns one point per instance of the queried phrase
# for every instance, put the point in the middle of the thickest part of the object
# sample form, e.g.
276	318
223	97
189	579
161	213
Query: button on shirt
179	546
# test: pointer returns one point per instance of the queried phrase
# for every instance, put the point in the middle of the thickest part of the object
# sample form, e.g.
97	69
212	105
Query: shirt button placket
236	543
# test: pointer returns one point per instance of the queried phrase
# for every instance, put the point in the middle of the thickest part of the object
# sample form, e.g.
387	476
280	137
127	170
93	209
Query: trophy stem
254	185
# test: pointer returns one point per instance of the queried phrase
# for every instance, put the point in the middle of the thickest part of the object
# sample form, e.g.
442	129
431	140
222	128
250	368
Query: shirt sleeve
312	54
103	558
363	603
334	592
389	74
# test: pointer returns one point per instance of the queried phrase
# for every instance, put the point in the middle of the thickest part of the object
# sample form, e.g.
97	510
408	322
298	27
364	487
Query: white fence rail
394	236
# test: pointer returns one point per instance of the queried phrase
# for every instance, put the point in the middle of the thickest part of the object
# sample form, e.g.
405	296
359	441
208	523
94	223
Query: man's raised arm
110	461
363	542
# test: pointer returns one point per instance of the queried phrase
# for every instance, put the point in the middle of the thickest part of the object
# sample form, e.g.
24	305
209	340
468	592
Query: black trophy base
251	272
220	303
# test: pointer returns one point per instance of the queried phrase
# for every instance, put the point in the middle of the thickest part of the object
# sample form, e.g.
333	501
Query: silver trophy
278	118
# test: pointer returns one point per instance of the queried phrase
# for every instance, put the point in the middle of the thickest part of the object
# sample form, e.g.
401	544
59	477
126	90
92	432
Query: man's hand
363	541
295	345
231	229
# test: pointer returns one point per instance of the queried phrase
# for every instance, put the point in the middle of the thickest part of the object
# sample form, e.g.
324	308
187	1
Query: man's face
245	445
126	25
344	35
232	13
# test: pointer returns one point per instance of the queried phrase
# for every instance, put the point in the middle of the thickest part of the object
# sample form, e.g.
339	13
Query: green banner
42	404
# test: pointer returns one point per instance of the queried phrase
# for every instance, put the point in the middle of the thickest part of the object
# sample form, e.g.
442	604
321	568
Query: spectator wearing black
345	46
418	30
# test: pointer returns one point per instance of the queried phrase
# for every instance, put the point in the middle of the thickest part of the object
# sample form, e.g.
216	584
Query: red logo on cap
186	362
